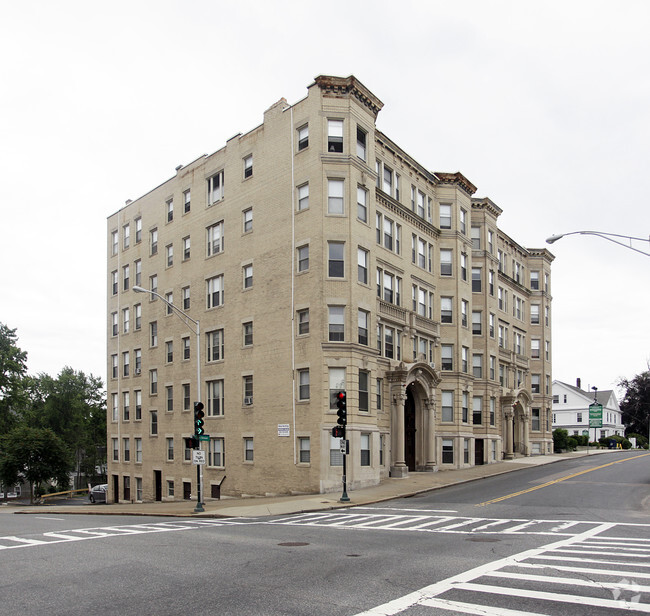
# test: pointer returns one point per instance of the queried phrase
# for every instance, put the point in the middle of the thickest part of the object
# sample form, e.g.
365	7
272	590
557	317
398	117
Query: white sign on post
198	457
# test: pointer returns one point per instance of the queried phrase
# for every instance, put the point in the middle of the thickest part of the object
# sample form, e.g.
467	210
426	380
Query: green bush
625	444
560	438
572	443
641	441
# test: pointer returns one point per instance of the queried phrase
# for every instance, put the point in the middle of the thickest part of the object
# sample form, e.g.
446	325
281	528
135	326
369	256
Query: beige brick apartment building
312	254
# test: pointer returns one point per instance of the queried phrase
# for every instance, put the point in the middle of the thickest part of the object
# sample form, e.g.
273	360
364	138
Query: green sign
595	415
204	437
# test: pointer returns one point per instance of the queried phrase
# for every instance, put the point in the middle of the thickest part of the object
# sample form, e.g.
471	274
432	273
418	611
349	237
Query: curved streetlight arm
180	313
605	236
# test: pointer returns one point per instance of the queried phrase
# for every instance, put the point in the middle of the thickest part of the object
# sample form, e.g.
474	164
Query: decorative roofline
457	178
486	203
346	86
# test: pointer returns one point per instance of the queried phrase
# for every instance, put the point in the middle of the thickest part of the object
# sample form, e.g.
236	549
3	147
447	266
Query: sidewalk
228	507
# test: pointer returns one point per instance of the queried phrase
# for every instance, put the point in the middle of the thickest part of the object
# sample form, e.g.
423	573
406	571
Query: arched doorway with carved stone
413	417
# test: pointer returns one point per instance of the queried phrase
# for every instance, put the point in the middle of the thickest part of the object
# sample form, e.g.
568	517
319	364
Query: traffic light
191	442
198	419
342	406
338	432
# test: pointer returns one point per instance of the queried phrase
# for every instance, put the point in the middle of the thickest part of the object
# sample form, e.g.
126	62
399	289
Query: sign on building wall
283	430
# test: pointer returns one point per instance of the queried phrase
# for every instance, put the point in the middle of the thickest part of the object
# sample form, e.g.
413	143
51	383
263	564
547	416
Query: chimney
578	384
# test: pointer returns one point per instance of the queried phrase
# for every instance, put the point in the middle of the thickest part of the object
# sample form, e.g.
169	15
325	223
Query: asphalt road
572	537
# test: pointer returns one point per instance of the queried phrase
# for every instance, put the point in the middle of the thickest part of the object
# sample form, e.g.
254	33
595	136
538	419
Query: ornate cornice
457	179
344	87
487	204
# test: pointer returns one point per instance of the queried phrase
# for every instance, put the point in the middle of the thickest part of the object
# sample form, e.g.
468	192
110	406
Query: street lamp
187	319
605	236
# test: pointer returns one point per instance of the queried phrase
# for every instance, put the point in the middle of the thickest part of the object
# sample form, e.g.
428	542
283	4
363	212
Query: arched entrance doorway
410	429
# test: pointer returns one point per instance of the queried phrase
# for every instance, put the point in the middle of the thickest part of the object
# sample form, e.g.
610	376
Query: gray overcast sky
544	106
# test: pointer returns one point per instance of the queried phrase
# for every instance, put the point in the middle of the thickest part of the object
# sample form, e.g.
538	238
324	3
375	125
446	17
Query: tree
636	403
35	455
13	368
73	406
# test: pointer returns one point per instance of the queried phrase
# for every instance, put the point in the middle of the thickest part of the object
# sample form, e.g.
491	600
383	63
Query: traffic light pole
344	497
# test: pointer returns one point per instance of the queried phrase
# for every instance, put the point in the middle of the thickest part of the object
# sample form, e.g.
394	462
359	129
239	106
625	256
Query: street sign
204	437
595	415
198	457
344	446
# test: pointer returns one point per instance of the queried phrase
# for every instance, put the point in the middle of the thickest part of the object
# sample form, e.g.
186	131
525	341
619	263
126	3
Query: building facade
312	255
571	411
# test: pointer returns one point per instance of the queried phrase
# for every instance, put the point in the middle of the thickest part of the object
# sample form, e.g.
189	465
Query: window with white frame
215	239
304	449
187	200
170	449
335	196
116	450
303	258
186	248
247	331
215	291
153	423
303	197
446	264
215	188
336	384
170	210
445	215
447	356
249	451
303	322
446	310
364	391
247	384
477	410
364	449
248	166
476	237
336	323
153	334
215	345
126	408
215	398
362	265
138	450
247	273
303	384
447	406
216	452
153	381
247	220
335	136
153	242
363	324
185	297
336	259
303	137
362	138
362	204
477	322
477	365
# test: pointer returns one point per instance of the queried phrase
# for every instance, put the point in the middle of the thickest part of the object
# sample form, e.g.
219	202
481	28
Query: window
447	451
336	323
215	345
447	406
388	233
125	277
447	357
185	342
169	351
248	220
446	314
362	204
114	242
465	407
138	405
249	450
476	238
534	314
464	307
153	242
215	291
215	239
535	423
115	324
445	216
169	301
248	166
247	272
114	282
534	281
138	230
170	210
446	268
534	348
153	284
186	396
216	452
170	398
303	197
153	424
578	417
138	271
493	364
303	384
303	258
363	321
113	366
247	329
186	201
336	457
304	448
125	405
153	381
215	398
380	385
186	248
138	449
185	293
463	221
215	188
364	391
387	186
476	280
463	266
247	382
362	137
477	366
335	135
303	137
153	334
303	321
336	259
127	449
138	316
464	358
336	384
365	449
362	266
170	449
126	320
535	383
169	252
476	323
335	196
477	410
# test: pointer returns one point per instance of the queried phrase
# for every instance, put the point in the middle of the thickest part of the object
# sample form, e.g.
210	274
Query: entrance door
479	451
409	431
158	484
116	489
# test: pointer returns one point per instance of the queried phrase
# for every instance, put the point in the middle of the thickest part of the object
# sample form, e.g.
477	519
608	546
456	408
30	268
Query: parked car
98	493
